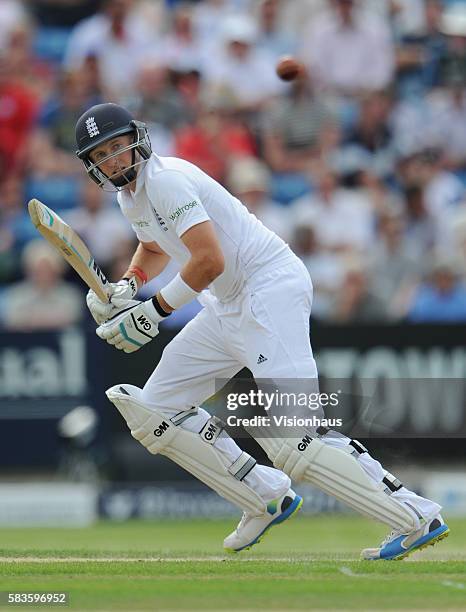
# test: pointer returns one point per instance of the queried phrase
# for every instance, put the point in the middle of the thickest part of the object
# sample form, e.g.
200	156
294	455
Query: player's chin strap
195	452
337	471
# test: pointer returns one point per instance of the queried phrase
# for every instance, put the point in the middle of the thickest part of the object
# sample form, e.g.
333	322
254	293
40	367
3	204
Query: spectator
190	87
101	227
207	16
439	191
372	132
119	38
118	265
241	67
273	37
90	78
363	174
249	181
453	25
448	108
294	125
159	102
57	13
326	269
355	302
409	17
342	218
18	112
43	300
216	136
394	270
436	121
437	54
458	231
420	227
338	45
442	299
15	223
423	48
12	16
162	105
443	192
412	124
59	115
180	48
29	70
51	163
46	162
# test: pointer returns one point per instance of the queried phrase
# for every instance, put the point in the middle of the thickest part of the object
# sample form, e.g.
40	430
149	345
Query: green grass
308	563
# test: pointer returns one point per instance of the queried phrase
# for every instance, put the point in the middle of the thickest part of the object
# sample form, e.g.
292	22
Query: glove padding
121	295
133	328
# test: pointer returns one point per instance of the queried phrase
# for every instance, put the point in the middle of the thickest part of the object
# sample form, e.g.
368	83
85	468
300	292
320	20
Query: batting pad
192	451
338	473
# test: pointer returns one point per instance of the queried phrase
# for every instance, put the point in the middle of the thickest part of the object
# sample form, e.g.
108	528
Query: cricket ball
288	68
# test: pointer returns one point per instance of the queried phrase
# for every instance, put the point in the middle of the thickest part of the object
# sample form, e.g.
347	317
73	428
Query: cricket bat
71	247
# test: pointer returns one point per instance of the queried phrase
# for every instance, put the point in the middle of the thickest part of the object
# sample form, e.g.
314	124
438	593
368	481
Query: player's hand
132	328
121	296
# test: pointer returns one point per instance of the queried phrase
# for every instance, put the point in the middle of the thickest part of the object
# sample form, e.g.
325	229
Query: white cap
248	174
453	21
239	28
350	159
38	250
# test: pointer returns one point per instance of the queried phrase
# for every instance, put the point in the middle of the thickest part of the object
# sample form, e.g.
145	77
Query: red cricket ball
288	68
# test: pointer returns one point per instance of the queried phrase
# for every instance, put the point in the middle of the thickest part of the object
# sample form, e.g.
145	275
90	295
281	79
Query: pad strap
359	449
181	417
392	483
210	434
242	466
212	429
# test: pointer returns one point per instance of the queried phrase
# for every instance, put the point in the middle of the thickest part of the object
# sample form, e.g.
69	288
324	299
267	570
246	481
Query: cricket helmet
104	122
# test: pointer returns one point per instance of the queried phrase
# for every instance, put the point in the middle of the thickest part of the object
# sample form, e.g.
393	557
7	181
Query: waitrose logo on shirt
182	209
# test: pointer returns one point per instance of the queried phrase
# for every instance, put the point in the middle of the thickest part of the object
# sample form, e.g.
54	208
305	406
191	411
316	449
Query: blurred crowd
359	164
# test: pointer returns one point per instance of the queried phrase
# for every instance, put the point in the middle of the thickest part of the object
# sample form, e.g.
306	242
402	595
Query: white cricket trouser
270	317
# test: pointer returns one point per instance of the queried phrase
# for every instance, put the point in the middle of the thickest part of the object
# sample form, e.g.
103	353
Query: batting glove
132	328
121	297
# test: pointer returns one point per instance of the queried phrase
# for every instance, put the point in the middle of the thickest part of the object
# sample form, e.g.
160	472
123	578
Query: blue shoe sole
428	540
289	512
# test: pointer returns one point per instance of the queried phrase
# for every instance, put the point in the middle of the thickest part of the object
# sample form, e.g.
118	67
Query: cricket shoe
251	528
399	545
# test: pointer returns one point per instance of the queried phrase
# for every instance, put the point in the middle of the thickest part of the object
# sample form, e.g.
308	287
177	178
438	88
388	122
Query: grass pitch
306	563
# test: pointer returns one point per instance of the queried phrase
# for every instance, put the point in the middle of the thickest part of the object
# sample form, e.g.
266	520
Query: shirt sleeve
177	198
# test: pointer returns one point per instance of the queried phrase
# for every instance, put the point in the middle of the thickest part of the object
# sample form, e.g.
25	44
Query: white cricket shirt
172	195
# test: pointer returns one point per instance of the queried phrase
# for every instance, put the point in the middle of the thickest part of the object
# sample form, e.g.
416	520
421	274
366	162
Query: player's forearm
198	273
150	262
